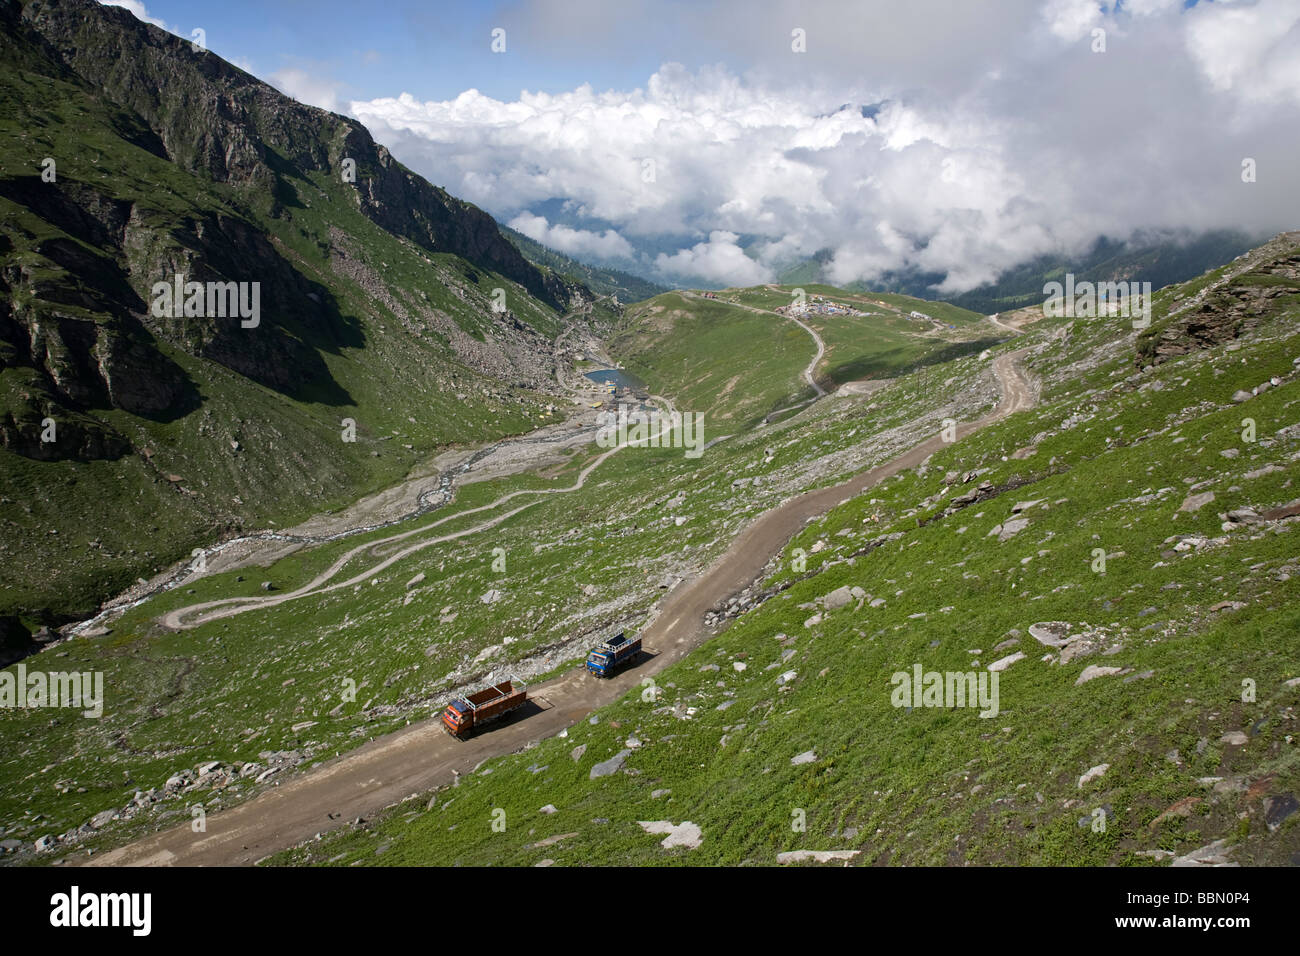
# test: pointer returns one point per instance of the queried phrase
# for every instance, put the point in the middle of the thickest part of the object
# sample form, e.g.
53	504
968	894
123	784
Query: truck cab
599	662
610	655
456	717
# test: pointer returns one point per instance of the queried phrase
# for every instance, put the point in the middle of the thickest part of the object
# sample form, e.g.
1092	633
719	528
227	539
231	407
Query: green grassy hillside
732	365
268	682
738	365
1164	724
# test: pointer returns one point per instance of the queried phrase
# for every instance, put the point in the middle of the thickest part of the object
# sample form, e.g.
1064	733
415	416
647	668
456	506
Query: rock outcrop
1228	307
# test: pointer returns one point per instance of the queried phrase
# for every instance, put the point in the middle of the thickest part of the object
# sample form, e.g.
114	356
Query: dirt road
421	757
809	373
195	614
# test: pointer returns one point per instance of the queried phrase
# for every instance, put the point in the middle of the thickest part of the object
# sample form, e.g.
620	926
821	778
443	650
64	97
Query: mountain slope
627	287
733	357
798	660
128	437
1122	555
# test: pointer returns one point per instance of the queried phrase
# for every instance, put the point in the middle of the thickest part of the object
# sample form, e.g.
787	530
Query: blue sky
432	50
435	49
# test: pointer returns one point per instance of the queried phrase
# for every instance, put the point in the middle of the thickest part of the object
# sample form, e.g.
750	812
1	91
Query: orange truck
467	713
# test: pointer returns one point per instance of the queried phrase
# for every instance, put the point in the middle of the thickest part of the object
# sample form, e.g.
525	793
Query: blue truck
608	656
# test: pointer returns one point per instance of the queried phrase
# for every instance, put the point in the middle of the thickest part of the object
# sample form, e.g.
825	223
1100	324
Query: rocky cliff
211	117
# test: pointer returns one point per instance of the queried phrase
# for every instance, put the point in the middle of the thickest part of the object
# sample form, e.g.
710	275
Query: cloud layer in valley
960	139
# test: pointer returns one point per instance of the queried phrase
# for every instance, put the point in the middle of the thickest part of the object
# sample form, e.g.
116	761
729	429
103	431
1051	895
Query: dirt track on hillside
809	373
421	757
196	614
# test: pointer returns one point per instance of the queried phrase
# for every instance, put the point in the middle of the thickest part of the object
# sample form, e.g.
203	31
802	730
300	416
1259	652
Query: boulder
1050	633
1193	503
607	767
102	819
1003	663
837	598
1093	671
685	834
1213	854
1009	528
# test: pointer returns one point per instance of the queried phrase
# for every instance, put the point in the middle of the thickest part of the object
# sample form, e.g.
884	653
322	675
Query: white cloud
1251	50
579	243
306	88
138	10
996	136
1146	8
1071	20
718	260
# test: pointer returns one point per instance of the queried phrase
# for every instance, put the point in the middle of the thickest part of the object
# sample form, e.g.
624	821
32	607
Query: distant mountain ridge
600	279
1160	260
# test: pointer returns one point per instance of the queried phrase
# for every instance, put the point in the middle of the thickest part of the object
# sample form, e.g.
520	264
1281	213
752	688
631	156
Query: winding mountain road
196	614
809	374
422	756
821	350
